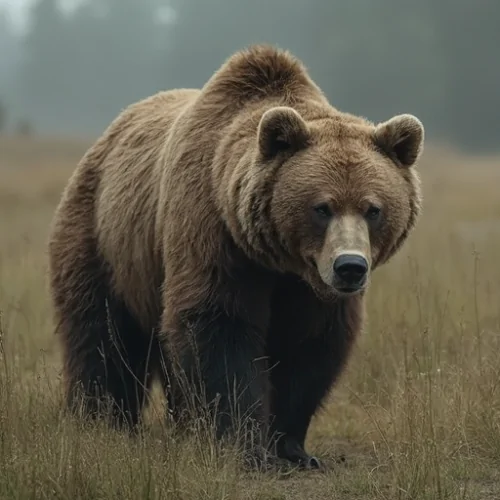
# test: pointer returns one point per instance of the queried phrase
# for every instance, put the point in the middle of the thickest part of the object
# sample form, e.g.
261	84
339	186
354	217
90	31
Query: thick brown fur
187	237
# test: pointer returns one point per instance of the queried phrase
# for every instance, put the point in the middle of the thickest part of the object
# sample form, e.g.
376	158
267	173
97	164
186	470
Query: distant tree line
437	59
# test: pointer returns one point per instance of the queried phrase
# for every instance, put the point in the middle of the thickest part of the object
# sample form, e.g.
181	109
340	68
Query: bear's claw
314	463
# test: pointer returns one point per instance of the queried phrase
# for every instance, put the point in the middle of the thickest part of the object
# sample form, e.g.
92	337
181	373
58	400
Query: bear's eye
373	213
323	210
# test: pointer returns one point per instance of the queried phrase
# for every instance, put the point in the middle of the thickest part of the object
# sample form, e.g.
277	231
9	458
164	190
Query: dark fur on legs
224	368
309	343
115	366
109	361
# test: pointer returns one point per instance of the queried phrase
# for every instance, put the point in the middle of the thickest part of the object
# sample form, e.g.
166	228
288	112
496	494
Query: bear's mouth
349	290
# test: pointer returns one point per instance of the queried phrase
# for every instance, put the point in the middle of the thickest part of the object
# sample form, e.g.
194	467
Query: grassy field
416	415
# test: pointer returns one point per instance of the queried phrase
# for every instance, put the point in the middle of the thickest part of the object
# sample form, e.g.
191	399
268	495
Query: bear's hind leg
107	357
108	360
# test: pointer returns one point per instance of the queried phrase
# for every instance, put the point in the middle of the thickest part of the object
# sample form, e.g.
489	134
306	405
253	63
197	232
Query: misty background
75	65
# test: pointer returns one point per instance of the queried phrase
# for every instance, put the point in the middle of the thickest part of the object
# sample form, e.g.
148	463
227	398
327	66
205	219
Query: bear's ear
401	138
281	131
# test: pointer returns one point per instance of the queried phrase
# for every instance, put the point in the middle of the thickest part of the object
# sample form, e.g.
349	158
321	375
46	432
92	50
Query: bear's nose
351	269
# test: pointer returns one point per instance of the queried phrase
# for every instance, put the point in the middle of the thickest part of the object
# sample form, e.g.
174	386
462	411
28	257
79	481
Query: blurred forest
75	69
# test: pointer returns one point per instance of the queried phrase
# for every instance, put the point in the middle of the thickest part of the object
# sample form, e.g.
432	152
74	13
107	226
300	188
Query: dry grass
417	414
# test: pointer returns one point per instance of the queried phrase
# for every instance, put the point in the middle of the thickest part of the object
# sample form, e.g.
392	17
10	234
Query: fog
72	70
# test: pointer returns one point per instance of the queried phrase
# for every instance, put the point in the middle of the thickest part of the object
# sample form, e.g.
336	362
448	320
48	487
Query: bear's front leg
309	344
220	365
301	377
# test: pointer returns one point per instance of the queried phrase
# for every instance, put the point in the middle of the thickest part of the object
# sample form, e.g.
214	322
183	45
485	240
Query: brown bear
228	234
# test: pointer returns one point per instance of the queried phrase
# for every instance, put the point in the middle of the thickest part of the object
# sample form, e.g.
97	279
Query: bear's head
331	198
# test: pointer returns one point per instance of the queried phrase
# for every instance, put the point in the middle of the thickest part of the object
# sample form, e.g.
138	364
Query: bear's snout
350	272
